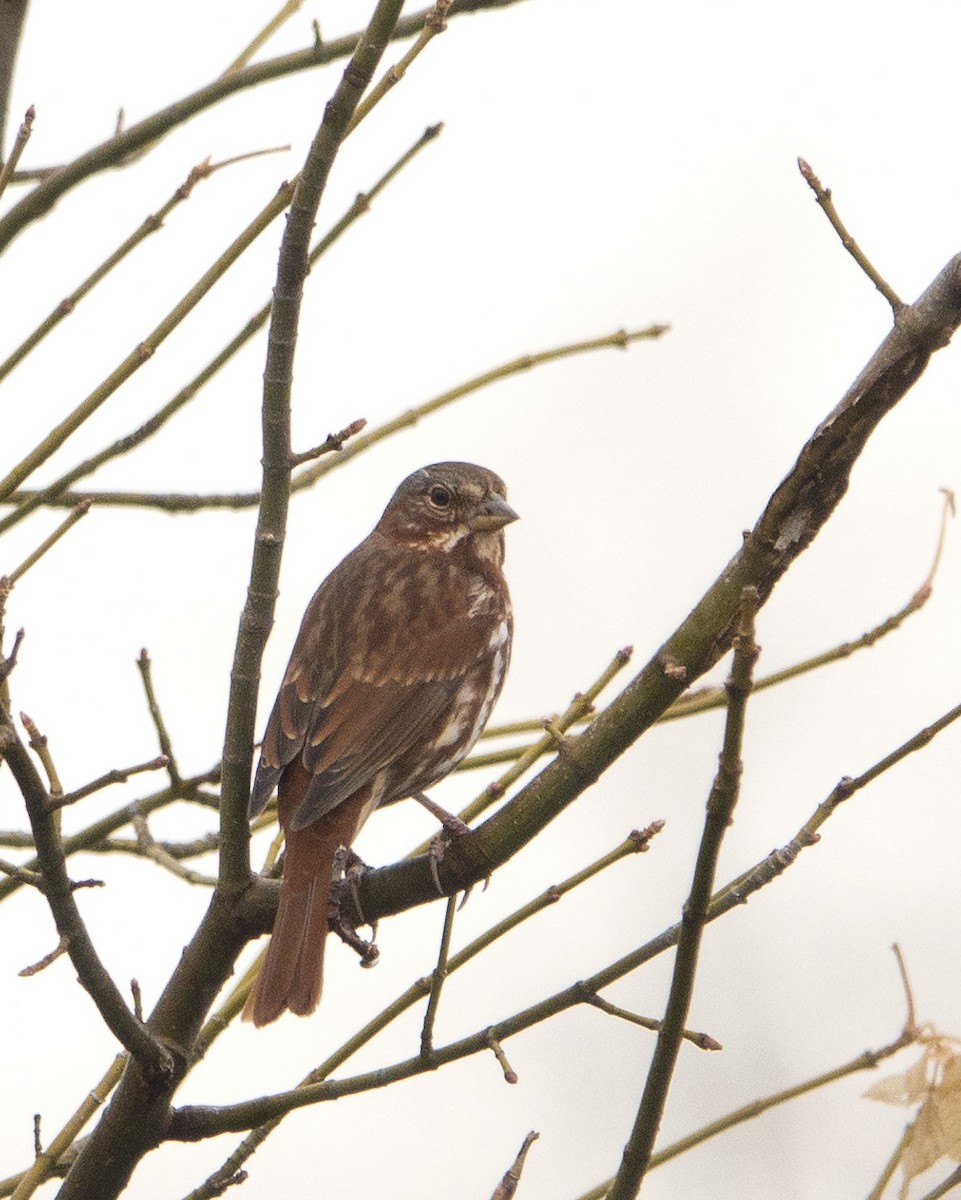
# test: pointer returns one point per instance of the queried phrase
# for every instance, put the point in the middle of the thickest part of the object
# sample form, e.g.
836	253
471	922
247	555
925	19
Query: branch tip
642	838
497	1050
7	664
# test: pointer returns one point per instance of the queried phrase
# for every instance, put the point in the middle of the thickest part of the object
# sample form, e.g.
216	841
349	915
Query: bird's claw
454	827
351	870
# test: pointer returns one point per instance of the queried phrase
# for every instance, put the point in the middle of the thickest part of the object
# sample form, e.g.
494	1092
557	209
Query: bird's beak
494	513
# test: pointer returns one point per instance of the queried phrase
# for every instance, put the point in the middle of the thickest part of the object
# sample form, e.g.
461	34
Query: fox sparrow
401	654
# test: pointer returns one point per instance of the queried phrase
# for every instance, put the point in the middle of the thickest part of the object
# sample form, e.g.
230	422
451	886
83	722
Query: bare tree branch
136	1119
155	1060
127	142
13	13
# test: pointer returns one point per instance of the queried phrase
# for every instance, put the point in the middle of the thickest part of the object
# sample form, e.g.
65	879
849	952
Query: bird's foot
453	827
349	869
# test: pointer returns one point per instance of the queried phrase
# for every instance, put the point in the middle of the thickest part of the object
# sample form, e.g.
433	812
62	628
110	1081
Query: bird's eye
439	496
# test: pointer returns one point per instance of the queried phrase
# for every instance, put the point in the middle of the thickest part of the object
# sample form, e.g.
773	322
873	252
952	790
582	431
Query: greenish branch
154	1058
147	348
126	143
705	699
193	1123
53	494
23	136
869	1060
174	502
136	1118
720	812
636	843
823	197
150	224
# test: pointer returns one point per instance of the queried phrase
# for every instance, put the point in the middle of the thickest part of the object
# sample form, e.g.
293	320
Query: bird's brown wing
384	677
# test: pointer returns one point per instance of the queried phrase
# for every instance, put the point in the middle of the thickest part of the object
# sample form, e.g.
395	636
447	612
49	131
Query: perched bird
401	654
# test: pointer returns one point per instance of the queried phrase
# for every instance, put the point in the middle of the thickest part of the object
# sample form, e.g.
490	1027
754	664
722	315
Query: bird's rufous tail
292	975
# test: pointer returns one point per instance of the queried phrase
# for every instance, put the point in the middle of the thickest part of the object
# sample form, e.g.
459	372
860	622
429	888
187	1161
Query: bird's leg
453	824
349	869
452	827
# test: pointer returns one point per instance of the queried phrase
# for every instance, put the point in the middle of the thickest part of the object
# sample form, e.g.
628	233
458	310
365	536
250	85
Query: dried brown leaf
948	1096
925	1146
907	1088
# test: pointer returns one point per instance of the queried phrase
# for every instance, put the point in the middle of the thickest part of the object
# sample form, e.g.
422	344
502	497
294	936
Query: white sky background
603	165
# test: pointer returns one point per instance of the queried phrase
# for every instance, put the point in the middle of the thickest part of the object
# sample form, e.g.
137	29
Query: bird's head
446	504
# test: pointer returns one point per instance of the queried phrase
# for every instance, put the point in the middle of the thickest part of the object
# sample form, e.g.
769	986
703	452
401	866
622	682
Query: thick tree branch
258	615
135	1121
793	516
196	1122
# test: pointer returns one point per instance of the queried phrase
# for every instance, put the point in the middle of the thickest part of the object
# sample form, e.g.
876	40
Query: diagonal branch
136	1119
257	617
792	518
155	1060
196	1122
55	496
720	808
51	493
119	149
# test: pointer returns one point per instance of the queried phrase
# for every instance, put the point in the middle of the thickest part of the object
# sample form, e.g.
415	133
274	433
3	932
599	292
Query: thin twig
7	664
434	23
823	197
40	746
148	847
580	706
703	1041
154	1057
204	844
720	808
23	136
333	441
264	36
163	737
137	999
31	878
53	493
947	1185
180	502
108	778
869	1060
438	976
150	225
16	839
911	1020
42	964
508	1185
890	1167
494	1045
708	698
79	510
